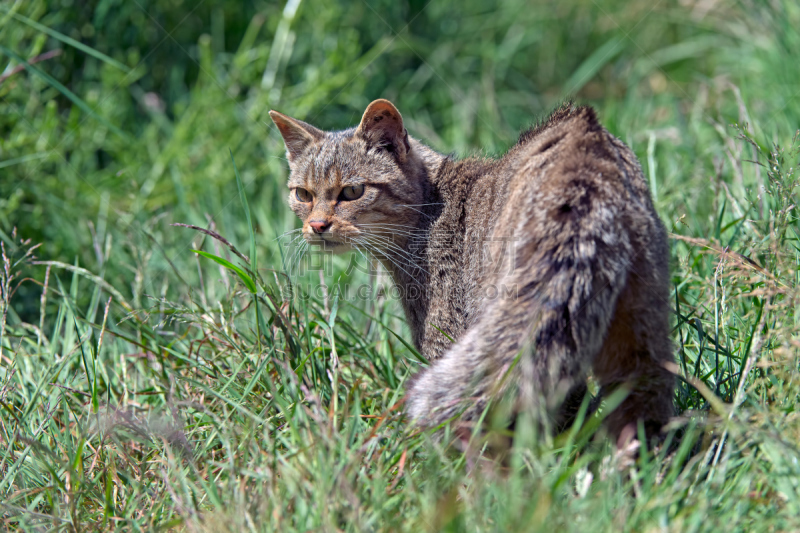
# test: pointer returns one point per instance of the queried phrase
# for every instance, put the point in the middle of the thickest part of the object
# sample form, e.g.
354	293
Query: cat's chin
329	245
336	247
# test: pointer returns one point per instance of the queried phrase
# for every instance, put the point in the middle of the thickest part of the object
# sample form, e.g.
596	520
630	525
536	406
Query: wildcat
540	265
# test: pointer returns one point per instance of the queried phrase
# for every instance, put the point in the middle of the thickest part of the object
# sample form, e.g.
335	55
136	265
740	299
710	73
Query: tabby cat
518	275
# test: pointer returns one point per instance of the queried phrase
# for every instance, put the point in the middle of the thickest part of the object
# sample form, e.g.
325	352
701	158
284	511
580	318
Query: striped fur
542	264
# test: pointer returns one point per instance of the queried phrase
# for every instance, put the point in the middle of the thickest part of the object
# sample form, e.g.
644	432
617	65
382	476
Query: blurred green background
123	121
121	139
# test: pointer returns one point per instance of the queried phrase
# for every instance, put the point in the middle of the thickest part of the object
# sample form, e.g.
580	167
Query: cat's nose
319	226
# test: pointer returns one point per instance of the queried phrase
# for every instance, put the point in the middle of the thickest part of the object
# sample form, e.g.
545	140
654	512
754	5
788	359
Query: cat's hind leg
636	353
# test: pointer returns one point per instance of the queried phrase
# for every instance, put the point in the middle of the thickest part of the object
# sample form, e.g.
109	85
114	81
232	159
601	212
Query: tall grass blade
253	257
66	40
66	92
244	276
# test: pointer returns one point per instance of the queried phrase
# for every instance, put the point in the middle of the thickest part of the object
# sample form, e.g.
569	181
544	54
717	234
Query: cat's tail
586	285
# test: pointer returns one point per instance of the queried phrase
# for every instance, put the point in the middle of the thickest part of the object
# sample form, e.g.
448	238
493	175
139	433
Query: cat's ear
382	126
297	135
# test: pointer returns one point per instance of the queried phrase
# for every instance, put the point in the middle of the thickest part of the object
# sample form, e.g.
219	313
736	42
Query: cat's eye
353	193
302	195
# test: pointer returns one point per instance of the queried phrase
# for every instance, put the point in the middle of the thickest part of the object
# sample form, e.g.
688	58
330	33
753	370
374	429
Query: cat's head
354	188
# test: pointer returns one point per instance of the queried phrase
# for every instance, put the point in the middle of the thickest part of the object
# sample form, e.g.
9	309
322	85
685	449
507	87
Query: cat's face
350	188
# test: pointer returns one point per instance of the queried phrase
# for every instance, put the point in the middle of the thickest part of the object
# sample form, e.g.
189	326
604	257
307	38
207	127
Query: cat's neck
428	159
408	261
428	265
410	272
432	172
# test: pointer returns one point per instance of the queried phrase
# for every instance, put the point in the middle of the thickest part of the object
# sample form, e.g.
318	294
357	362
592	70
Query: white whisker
292	252
303	249
406	226
417	210
389	258
410	258
359	250
416	234
296	255
286	233
396	231
399	261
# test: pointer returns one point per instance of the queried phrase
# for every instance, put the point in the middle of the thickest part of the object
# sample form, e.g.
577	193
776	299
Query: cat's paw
419	399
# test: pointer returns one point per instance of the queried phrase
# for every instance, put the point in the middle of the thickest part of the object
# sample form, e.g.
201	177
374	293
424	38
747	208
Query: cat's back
585	283
570	167
559	185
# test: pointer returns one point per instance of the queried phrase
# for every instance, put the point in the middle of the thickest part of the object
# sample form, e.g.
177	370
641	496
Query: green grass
146	387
